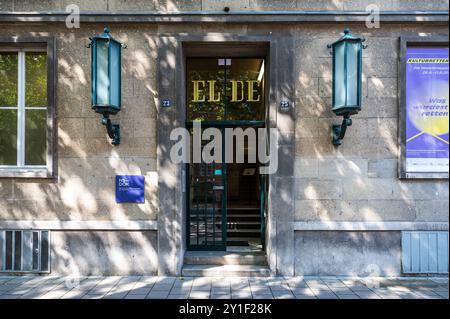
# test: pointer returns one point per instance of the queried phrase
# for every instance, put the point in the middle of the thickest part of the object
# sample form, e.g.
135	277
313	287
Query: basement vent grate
25	251
425	252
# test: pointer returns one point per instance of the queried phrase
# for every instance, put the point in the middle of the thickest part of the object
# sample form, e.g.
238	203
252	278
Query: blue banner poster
427	127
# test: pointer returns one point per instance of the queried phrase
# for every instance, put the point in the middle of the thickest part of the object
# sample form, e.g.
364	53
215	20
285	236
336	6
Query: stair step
249	228
246	239
225	271
237	243
245	223
229	215
234	235
242	215
239	223
224	258
257	230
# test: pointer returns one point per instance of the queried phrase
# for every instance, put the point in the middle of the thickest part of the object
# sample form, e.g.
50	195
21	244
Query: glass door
223	93
206	218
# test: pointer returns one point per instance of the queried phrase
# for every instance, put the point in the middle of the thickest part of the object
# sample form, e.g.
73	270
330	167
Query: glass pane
35	79
35	250
8	137
115	73
205	89
102	73
35	137
245	89
352	73
207	190
17	250
44	250
8	78
427	118
8	251
339	75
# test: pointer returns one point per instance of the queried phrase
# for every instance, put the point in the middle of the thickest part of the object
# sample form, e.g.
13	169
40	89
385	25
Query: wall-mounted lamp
347	81
106	55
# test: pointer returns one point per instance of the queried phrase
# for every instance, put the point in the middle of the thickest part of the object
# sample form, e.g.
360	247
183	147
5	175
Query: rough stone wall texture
356	181
347	253
87	162
218	5
103	253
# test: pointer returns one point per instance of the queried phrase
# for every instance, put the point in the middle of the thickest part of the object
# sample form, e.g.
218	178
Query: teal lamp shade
106	74
347	74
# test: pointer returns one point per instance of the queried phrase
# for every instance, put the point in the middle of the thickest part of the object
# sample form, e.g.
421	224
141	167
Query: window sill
411	176
25	172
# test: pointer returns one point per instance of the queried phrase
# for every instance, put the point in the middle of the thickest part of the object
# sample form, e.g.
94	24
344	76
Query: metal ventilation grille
425	252
24	251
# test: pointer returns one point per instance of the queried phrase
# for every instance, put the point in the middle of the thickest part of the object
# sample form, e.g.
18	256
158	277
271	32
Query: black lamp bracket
339	130
112	129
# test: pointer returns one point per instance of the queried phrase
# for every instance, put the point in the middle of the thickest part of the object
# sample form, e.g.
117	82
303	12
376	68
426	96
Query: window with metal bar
24	251
23	109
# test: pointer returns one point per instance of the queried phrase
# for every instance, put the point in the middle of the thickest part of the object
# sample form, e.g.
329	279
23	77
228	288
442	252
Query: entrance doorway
226	196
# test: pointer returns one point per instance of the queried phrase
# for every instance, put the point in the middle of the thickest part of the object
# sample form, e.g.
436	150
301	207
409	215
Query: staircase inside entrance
244	226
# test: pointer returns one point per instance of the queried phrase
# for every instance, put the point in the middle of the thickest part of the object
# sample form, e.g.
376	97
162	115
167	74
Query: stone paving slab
154	287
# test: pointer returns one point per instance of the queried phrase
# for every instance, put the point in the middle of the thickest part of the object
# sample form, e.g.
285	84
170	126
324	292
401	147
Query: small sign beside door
166	103
284	105
130	189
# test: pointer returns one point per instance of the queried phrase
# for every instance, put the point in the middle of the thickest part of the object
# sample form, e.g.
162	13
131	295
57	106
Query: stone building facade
331	210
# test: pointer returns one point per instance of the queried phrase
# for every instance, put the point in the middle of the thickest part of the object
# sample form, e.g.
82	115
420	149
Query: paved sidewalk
136	287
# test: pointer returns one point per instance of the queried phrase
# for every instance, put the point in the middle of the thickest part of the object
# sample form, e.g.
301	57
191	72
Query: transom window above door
225	89
26	108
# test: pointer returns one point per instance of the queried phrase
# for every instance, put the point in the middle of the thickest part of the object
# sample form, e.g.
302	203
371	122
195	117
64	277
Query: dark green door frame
209	214
221	124
262	190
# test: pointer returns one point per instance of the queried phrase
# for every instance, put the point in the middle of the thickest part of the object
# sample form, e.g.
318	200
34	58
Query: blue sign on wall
130	189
